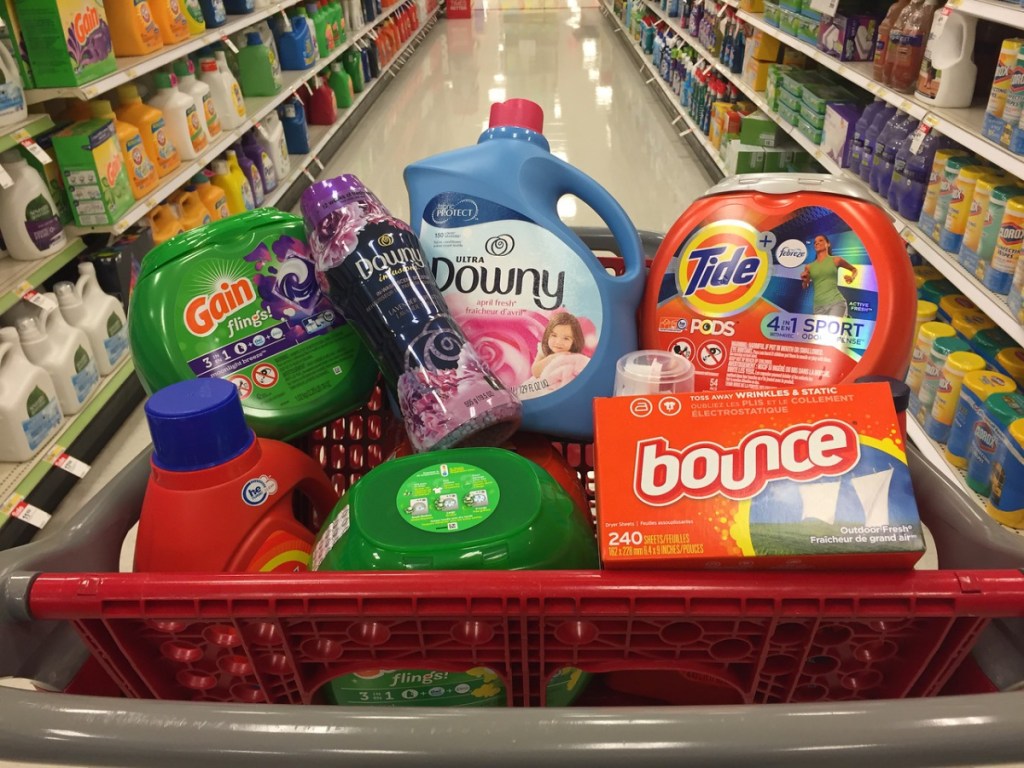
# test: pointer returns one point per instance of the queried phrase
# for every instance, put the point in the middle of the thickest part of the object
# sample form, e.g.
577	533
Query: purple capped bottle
371	266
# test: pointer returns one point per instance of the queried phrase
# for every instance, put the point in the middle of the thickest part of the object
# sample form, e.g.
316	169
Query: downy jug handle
564	179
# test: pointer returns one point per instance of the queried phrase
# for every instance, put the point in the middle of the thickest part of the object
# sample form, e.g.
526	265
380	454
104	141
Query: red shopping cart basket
650	637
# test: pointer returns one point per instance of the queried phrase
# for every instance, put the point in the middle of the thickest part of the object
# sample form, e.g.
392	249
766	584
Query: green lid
462	509
990	341
162	80
181	68
1004	408
954	164
1004	192
238	299
944	346
934	290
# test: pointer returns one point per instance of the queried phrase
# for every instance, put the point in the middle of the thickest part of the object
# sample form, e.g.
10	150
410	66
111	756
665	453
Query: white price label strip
230	44
5	178
828	7
32	296
29	514
23	138
61	460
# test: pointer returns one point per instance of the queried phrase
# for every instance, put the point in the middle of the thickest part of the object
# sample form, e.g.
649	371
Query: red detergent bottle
219	498
782	280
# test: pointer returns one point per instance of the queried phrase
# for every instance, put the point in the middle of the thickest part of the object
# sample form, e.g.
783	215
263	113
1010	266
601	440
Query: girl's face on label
820	245
561	339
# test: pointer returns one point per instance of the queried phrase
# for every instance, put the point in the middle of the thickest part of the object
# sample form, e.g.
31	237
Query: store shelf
257	108
320	135
19	277
131	67
672	97
18	480
33	125
961	125
935	453
1010	14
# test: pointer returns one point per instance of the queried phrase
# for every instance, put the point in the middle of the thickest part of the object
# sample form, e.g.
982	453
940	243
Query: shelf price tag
5	178
28	292
931	120
62	460
30	514
230	44
828	7
23	138
919	136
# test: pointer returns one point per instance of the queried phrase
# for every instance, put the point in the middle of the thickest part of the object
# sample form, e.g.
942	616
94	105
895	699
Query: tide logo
723	269
663	475
204	313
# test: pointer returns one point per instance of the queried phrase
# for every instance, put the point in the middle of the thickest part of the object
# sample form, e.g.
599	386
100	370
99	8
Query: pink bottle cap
521	113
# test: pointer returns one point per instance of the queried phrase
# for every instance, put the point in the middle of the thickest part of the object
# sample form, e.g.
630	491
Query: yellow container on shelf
164	223
936	177
947	394
1006	500
191	211
142	175
978	213
150	122
978	386
952	303
232	180
170	17
133	30
213	198
926	312
926	334
923	273
1011	362
966	323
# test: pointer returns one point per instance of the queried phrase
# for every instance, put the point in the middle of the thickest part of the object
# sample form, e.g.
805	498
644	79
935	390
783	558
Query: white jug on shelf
948	71
63	352
85	306
13	107
29	409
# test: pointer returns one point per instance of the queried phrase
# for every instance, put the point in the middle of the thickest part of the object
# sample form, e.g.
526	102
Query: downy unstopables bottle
537	301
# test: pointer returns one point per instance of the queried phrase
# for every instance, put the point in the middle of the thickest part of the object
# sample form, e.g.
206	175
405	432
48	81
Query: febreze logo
723	268
204	313
663	475
463	211
85	23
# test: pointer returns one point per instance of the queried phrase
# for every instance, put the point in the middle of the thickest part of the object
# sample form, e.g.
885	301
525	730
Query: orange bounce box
812	477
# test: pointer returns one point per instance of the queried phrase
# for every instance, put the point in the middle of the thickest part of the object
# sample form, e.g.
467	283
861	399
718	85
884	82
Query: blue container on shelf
238	7
296	132
214	12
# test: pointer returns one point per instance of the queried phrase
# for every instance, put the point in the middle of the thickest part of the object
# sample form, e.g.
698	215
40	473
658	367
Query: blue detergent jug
295	47
214	12
296	132
534	300
239	6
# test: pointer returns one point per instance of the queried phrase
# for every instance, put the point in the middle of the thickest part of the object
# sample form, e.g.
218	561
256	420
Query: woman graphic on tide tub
823	274
560	355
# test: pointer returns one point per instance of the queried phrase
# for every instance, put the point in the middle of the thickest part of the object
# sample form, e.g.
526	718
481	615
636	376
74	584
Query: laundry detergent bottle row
529	295
29	409
152	128
142	175
219	498
99	315
62	351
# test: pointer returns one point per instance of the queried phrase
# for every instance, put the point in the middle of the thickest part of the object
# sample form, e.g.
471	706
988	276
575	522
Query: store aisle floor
598	115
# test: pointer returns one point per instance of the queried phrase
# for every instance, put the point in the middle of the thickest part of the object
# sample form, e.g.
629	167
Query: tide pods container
782	280
238	299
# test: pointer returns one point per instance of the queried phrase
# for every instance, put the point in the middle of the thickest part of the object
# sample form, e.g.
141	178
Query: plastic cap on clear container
519	113
652	371
28	329
197	424
66	294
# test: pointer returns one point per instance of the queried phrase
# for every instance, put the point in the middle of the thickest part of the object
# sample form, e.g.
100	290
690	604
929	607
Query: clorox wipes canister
779	280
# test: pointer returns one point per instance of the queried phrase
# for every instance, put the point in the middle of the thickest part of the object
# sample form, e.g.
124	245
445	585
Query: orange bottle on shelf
907	45
142	175
882	39
150	122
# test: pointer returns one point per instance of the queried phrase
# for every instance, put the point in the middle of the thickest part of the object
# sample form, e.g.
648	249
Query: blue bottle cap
253	38
197	424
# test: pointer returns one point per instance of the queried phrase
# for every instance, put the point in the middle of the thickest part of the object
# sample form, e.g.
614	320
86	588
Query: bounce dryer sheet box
810	477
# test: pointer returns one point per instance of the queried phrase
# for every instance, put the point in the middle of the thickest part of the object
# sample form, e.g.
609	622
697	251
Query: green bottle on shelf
334	19
322	24
339	14
353	62
259	72
341	84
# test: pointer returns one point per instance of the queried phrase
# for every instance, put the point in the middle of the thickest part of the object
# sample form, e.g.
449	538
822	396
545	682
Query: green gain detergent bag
238	299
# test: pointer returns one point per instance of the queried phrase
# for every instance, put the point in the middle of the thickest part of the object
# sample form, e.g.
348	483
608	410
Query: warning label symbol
264	375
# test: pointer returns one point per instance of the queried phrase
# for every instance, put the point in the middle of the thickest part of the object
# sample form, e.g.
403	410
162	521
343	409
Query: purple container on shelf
371	266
